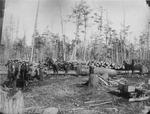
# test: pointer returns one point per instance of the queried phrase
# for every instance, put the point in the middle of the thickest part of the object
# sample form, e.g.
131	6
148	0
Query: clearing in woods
68	94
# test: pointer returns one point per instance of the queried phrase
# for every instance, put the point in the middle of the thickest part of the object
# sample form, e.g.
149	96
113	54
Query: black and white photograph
74	56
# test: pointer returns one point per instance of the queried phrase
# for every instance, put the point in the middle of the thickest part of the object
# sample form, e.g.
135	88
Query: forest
104	44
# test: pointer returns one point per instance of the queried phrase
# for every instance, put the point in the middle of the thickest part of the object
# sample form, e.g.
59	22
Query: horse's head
124	62
11	67
132	62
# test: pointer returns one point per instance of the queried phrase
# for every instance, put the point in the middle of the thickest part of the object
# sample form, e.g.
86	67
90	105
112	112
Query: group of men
20	72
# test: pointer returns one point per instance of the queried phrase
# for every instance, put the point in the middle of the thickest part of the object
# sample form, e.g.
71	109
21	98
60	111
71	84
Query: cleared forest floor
68	94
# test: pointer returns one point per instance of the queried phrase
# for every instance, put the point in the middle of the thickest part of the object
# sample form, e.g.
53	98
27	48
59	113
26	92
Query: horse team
59	65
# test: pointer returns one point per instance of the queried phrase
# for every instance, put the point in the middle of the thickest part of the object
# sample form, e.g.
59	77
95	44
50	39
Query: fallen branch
115	109
96	101
33	107
100	104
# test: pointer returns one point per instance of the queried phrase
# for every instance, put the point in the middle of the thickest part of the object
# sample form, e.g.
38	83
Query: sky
135	12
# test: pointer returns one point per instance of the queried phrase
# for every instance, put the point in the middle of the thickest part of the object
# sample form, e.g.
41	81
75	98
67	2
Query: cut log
84	70
105	76
102	71
139	99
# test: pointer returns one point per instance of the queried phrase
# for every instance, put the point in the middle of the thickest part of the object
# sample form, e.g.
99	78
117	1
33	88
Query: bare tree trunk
84	38
73	57
117	54
35	30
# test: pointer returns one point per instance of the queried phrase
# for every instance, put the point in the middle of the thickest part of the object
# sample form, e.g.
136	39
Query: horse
10	71
13	72
24	77
139	67
127	66
63	65
133	67
51	63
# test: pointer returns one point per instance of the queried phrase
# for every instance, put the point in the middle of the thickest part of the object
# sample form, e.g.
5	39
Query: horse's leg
15	82
56	69
128	72
65	69
53	70
132	70
10	80
141	72
24	81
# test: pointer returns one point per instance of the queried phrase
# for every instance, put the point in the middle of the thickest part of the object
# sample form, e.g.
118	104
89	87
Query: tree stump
93	81
98	80
11	104
98	76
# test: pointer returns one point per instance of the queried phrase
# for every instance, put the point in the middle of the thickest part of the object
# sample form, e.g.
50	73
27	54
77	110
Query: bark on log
102	71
